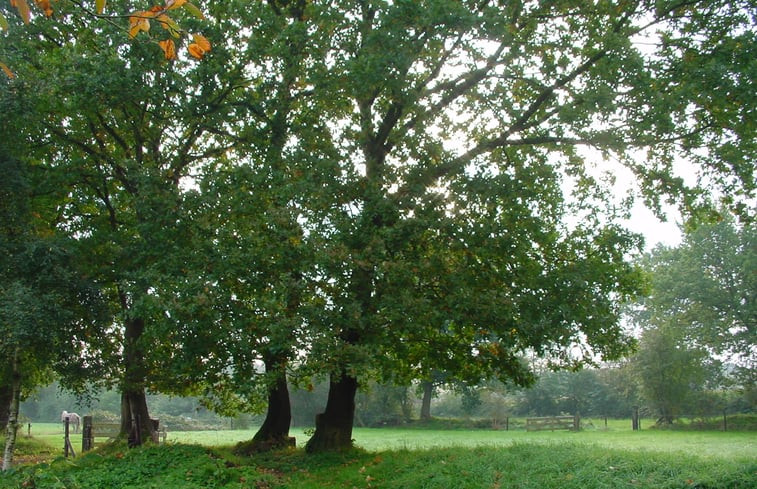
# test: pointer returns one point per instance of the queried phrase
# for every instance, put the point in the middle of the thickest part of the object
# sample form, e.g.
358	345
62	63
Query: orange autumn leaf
198	48
23	9
169	48
45	6
7	70
196	51
139	22
202	41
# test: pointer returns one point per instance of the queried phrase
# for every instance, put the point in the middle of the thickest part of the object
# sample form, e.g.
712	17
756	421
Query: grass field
618	435
415	458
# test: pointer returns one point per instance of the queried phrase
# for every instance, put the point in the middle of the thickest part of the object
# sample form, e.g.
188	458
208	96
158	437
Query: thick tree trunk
274	432
136	426
279	415
428	393
333	427
135	417
12	428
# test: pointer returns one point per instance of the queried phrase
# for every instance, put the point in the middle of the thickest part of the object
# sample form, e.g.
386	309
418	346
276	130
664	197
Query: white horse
73	420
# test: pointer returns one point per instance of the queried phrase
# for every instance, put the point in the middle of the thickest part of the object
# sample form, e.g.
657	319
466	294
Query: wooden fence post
155	424
67	447
87	440
66	443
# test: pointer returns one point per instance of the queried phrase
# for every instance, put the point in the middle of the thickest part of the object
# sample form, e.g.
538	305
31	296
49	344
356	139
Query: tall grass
415	458
520	465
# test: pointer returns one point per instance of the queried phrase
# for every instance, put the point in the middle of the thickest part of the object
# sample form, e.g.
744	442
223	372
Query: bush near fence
715	422
712	422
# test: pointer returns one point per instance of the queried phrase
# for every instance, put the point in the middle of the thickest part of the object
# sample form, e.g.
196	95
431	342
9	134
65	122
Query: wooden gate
91	431
572	423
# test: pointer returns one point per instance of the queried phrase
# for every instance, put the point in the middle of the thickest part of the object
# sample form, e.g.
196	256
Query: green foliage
375	190
117	467
700	313
49	307
551	465
587	392
708	284
670	374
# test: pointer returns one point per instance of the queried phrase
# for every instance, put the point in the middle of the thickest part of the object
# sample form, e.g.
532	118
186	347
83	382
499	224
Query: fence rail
92	430
572	423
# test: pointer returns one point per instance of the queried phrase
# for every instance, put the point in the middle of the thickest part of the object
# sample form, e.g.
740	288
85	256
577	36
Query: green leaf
3	22
192	9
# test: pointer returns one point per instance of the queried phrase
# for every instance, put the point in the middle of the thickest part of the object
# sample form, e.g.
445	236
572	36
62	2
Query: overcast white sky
643	221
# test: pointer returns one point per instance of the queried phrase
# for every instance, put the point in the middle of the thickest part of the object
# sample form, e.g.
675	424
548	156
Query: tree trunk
428	393
135	417
407	405
6	395
274	432
333	427
12	428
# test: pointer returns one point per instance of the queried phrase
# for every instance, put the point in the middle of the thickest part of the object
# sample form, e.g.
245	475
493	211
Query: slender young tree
48	307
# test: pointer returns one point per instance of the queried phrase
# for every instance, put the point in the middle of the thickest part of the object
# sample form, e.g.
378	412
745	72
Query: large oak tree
470	227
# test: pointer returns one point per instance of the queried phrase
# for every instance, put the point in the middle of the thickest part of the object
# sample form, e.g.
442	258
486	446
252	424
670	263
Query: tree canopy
699	318
50	310
708	284
371	189
139	21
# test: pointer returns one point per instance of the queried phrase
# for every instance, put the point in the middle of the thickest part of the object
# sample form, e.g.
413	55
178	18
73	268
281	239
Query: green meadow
615	457
618	435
